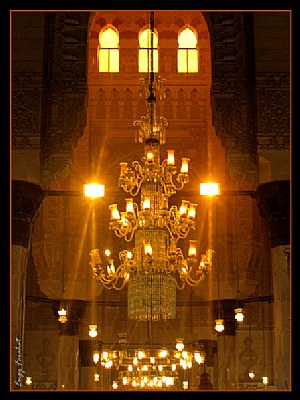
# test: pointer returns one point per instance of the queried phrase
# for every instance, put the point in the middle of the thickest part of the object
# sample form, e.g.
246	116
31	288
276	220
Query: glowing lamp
192	248
184	165
209	189
129	206
150	156
219	327
239	316
115	215
94	190
265	380
171	158
28	380
93	331
62	316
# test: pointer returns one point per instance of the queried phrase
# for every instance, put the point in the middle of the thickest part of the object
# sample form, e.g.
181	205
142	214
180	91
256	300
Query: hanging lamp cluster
145	368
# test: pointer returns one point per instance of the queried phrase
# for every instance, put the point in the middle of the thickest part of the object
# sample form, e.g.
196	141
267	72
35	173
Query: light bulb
219	327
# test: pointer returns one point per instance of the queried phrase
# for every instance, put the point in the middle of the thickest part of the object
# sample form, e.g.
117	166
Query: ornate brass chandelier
156	266
155	368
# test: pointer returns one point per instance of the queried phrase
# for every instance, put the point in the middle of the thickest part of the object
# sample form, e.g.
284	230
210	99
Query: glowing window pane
114	60
144	51
192	60
144	59
182	61
103	60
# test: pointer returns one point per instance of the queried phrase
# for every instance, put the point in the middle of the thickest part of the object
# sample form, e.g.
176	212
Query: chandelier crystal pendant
156	266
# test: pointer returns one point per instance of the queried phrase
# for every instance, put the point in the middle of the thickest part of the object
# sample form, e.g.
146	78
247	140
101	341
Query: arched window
108	50
145	53
187	56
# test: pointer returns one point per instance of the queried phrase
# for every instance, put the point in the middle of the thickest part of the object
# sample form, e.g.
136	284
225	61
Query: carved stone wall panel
65	99
273	111
47	247
252	257
110	103
27	100
232	97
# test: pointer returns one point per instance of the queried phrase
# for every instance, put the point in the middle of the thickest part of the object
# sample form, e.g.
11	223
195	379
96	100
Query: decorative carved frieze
27	95
232	93
273	110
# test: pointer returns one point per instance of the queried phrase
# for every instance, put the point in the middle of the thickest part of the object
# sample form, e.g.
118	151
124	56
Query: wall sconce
94	190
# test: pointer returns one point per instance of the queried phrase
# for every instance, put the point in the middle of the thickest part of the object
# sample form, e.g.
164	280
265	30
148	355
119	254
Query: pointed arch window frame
108	57
144	52
188	56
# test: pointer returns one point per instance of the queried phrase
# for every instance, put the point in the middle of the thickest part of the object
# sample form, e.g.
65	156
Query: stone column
227	358
68	346
274	205
26	199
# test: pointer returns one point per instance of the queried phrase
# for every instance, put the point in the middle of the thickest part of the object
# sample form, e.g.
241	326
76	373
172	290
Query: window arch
187	55
108	50
144	51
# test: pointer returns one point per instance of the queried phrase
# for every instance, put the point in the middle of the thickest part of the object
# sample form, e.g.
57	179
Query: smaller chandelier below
150	368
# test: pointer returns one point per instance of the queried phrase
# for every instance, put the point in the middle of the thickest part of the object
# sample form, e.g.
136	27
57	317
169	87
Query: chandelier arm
118	233
139	178
138	187
195	282
123	284
171	231
129	238
112	283
174	184
179	287
184	231
166	173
